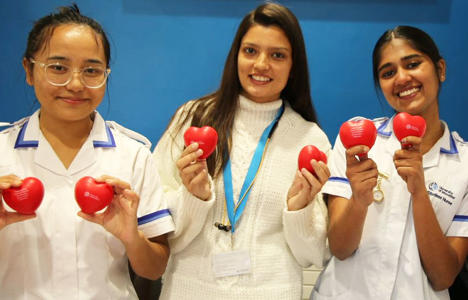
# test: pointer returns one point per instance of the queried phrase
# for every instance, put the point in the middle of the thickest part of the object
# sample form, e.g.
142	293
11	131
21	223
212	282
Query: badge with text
231	263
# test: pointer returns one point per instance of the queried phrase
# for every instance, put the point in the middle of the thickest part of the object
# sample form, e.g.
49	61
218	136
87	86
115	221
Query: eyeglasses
59	74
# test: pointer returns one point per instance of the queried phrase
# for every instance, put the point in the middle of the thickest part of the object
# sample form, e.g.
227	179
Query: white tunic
58	255
278	241
387	264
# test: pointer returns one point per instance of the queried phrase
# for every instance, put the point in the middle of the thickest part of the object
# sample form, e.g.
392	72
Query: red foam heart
405	125
359	131
92	196
26	198
206	137
308	153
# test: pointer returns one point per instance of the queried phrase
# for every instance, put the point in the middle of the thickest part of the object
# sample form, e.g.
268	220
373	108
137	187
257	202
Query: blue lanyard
234	213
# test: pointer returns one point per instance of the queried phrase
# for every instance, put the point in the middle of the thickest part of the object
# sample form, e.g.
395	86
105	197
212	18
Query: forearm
438	257
346	226
148	258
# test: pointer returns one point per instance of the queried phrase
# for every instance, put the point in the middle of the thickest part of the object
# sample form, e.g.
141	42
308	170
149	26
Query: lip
263	79
409	92
72	100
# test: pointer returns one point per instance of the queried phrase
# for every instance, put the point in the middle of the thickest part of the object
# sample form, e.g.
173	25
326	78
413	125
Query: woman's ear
28	69
441	70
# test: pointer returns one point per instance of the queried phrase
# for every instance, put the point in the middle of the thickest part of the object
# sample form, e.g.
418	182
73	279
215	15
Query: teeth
408	92
260	78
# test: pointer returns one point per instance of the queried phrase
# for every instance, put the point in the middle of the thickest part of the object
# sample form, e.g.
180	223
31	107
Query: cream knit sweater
280	242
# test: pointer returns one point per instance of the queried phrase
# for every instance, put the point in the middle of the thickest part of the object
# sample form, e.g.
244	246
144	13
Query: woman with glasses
247	219
61	252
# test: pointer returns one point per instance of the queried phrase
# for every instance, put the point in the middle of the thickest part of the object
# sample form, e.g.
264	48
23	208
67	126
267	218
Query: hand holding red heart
307	154
92	196
27	197
405	125
358	131
206	137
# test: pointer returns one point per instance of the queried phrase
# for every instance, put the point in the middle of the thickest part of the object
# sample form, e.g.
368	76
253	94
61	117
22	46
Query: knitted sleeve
188	212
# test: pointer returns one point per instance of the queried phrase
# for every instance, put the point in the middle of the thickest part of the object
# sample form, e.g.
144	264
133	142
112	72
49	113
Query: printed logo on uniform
441	193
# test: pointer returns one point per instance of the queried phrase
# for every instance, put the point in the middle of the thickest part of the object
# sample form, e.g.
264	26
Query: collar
29	134
446	143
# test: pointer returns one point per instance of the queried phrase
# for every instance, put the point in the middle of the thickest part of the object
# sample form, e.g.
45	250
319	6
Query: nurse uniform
386	264
58	255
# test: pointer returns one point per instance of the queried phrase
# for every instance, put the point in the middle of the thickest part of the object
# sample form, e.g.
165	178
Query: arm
188	211
347	217
442	257
7	217
148	258
305	220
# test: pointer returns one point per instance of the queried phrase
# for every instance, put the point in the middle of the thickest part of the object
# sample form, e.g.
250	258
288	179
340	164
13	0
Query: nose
262	62
75	83
402	76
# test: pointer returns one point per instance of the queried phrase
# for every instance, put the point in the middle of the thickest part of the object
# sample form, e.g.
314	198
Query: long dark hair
417	38
44	28
218	109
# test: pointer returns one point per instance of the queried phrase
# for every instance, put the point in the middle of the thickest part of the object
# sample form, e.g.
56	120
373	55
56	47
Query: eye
387	74
92	72
413	64
249	50
278	55
57	68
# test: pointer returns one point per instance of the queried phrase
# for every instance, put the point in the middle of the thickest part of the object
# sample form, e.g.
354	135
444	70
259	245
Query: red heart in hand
360	131
206	137
26	198
405	125
308	153
92	196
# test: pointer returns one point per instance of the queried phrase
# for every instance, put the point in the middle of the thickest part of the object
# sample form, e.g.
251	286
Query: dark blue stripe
453	147
460	218
106	144
21	143
381	128
154	216
340	179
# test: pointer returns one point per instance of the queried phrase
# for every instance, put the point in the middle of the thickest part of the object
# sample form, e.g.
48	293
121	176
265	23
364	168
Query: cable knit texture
279	242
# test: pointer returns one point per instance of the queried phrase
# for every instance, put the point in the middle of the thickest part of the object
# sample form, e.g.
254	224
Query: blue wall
165	52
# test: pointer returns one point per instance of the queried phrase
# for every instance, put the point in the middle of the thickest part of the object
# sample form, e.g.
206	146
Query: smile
409	92
260	78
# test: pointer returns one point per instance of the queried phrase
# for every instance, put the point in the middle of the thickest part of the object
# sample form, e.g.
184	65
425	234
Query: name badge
231	263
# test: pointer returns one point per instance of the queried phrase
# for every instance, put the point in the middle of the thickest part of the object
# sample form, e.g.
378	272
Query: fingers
353	153
411	143
321	171
9	181
189	156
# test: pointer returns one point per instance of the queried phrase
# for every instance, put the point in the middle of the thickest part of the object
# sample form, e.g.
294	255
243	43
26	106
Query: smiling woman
246	219
57	250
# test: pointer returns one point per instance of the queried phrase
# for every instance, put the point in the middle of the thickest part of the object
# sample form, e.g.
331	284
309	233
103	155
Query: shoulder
461	144
11	130
127	136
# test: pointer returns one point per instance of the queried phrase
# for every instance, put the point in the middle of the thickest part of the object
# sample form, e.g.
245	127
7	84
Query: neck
434	131
66	138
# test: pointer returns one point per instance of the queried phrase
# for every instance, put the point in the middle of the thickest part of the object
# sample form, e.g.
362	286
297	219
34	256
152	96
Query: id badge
231	263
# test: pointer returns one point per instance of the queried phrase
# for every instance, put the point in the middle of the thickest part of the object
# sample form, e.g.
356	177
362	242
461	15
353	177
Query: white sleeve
154	218
188	212
305	231
459	226
338	183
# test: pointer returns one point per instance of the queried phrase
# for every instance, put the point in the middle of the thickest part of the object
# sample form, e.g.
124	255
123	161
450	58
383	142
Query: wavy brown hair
219	108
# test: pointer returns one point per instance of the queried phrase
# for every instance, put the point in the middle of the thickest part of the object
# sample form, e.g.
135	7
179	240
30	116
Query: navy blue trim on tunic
154	216
339	179
106	144
453	147
381	128
460	218
21	143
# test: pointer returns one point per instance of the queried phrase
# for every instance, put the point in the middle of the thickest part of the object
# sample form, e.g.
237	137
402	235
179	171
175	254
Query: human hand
7	217
362	174
409	164
194	172
305	186
120	216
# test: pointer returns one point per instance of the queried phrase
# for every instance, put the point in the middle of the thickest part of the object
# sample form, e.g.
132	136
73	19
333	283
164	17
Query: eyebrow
270	48
62	58
405	58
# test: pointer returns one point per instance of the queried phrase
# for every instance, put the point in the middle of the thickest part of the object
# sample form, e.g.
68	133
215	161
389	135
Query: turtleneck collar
257	111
